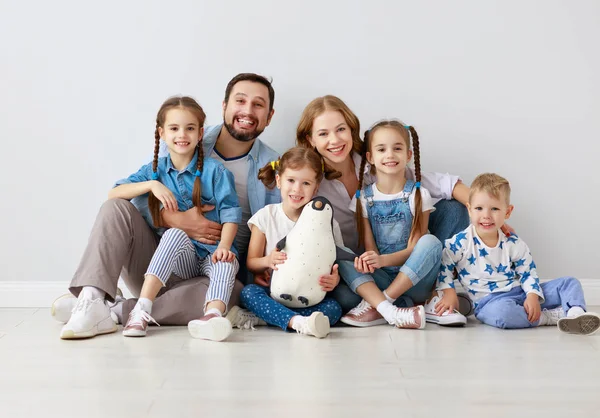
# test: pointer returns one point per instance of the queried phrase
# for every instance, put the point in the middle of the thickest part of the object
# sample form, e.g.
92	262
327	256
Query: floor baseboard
42	294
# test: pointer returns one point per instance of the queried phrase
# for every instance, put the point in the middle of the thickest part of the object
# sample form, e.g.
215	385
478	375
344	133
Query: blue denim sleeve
143	174
228	204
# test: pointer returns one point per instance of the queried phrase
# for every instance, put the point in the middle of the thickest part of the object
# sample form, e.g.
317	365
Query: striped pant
176	254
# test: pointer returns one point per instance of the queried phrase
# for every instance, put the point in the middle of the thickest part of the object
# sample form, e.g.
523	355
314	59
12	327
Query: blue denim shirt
391	222
260	154
218	189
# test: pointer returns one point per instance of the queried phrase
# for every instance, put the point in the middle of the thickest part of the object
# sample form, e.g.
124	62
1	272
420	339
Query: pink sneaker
363	315
137	323
210	327
412	318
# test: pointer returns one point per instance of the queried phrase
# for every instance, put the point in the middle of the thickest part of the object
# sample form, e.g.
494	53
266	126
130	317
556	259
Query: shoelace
83	305
361	308
552	314
246	320
302	328
137	315
405	317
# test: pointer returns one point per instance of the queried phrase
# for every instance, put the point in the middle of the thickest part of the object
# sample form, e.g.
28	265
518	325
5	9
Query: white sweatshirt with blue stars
483	270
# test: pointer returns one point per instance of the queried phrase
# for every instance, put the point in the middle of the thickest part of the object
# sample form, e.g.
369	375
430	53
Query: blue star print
451	266
509	274
535	286
501	268
473	281
483	252
489	269
520	263
525	276
452	285
472	259
476	241
471	291
492	285
510	282
453	248
501	244
463	273
459	237
512	238
442	279
532	265
443	267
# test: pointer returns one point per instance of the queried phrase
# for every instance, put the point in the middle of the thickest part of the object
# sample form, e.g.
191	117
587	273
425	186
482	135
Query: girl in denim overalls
392	216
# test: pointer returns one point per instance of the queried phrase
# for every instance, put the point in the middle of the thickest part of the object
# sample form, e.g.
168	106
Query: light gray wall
506	86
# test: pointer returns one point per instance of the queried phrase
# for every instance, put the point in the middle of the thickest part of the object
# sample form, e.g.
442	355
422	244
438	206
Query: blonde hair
315	109
492	184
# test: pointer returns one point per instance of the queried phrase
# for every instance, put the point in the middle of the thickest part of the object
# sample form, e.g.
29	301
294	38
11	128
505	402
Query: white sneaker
316	325
454	319
584	323
551	316
210	327
64	305
89	318
243	318
137	323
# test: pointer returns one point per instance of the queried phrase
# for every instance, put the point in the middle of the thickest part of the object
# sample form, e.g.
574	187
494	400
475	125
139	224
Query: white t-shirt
239	168
426	201
274	223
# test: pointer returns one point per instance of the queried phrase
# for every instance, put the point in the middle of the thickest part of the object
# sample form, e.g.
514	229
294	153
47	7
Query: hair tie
198	173
154	175
357	194
407	127
417	185
275	165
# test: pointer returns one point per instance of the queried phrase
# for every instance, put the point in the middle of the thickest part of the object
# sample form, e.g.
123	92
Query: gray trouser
122	244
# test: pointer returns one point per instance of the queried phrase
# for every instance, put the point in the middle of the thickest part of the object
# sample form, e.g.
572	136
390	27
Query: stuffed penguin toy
311	253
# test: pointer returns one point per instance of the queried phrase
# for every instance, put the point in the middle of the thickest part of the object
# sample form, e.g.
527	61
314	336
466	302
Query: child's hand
223	254
372	259
262	279
163	194
276	257
507	230
532	307
362	267
449	302
328	282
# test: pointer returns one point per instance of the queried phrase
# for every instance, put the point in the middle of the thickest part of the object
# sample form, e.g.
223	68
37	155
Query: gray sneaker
243	318
465	305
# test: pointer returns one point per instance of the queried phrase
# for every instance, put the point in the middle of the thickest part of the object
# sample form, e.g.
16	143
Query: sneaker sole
217	329
319	325
465	306
134	333
584	324
71	335
360	324
445	322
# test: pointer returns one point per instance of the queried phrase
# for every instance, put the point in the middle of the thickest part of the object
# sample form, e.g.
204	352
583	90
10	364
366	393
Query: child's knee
249	292
174	233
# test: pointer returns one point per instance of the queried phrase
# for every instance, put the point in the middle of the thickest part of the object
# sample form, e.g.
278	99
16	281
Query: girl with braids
297	174
180	181
333	130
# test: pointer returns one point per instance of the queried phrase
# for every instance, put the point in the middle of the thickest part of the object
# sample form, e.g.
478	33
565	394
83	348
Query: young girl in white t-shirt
297	174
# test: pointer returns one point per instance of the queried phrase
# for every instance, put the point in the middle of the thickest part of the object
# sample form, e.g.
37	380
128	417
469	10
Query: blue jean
257	300
449	218
421	268
505	310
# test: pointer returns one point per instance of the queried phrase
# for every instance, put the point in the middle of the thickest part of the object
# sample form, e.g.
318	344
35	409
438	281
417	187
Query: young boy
499	273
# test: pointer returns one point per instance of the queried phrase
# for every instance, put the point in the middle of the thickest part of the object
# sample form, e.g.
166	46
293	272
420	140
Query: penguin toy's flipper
281	244
343	254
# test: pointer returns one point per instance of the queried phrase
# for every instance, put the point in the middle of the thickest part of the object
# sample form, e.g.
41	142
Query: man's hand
532	307
194	224
328	282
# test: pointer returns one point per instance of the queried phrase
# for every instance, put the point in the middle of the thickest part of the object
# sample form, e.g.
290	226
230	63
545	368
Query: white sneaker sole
348	321
134	333
446	321
584	324
318	324
215	329
106	326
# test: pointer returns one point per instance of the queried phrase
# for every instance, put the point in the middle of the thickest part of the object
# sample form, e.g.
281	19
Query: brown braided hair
316	108
405	132
189	104
295	158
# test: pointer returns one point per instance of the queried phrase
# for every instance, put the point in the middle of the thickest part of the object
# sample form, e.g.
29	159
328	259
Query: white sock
117	308
297	321
214	311
575	311
144	304
387	310
91	293
389	298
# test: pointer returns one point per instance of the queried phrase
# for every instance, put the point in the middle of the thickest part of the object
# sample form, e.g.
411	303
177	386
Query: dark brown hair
316	108
189	104
295	158
405	132
255	78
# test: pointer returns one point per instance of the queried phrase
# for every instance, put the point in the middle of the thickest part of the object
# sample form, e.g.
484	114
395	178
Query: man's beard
242	136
